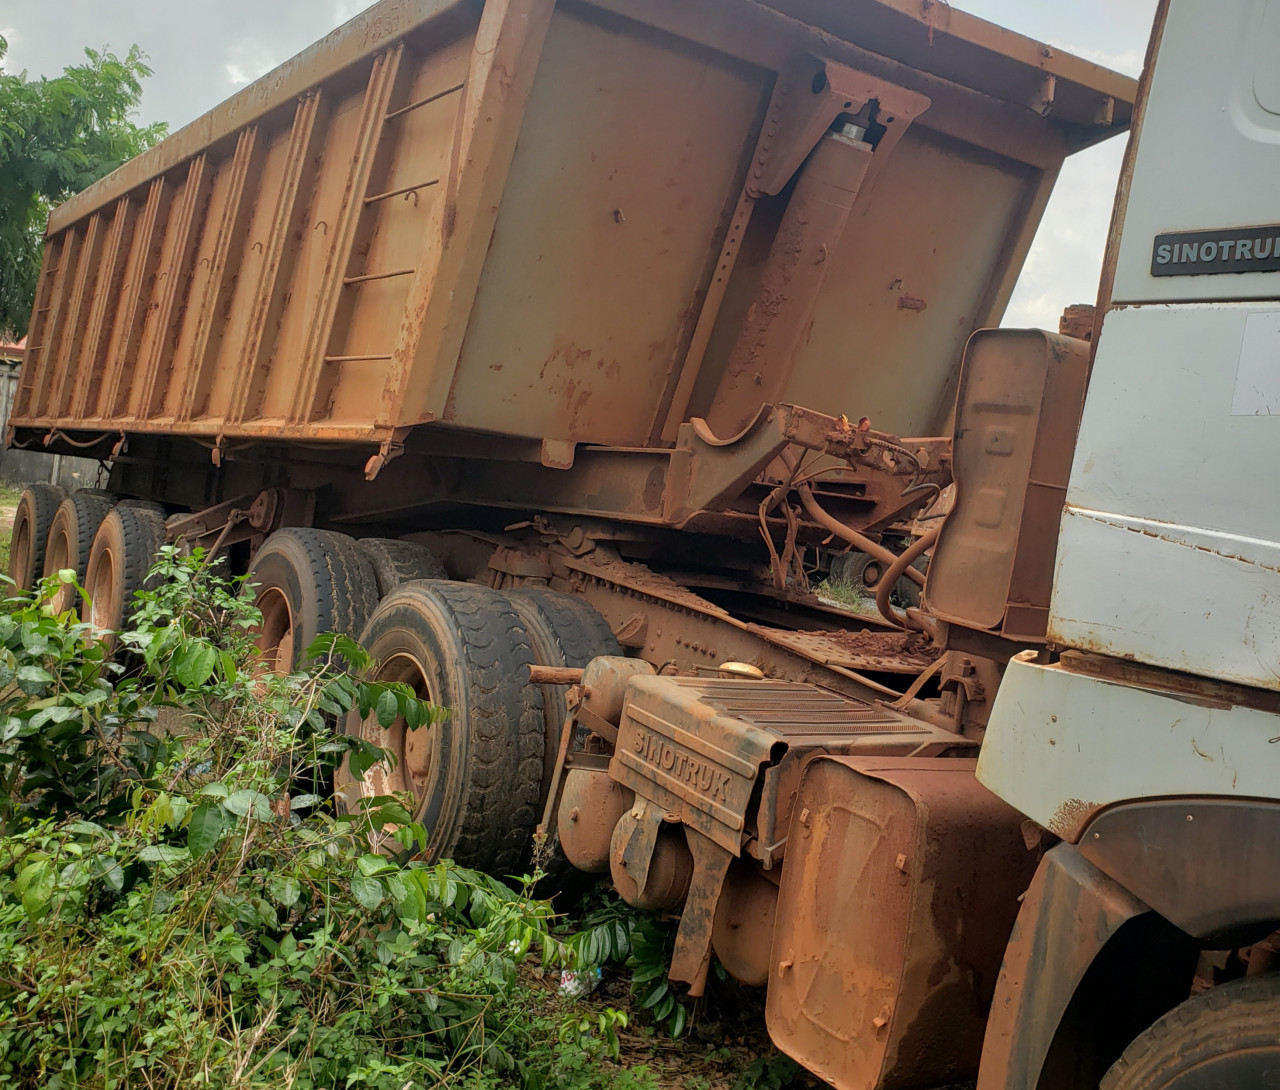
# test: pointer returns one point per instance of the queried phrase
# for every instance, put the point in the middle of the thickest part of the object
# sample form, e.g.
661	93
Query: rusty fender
1068	915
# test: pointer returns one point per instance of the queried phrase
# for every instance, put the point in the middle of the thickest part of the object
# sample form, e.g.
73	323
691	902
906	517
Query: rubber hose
900	565
849	534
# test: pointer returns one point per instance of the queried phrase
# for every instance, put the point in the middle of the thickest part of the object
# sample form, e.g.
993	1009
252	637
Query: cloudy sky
203	50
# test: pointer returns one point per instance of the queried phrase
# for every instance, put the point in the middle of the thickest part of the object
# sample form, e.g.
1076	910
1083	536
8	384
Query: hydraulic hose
900	566
849	534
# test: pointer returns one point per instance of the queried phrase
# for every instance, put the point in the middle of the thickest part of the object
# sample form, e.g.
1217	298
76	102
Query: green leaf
34	887
370	864
368	891
679	1020
194	663
164	854
304	802
249	803
656	996
388	708
284	890
205	828
32	678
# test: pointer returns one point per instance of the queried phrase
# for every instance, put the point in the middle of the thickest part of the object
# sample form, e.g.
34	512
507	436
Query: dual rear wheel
479	778
110	546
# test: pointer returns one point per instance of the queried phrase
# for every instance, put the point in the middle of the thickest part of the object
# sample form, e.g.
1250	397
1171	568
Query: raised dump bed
584	222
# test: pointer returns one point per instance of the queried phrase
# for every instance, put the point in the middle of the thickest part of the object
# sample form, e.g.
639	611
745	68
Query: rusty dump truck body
551	224
511	292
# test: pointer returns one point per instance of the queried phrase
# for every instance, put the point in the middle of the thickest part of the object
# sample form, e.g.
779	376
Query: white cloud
1066	257
348	9
250	58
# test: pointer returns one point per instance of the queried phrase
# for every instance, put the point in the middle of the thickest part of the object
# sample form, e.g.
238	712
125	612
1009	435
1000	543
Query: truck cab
1144	738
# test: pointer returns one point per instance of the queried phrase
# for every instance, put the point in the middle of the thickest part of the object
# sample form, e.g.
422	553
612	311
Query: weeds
846	595
179	907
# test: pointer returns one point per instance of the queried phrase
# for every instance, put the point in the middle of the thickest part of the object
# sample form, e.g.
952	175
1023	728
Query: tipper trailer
558	349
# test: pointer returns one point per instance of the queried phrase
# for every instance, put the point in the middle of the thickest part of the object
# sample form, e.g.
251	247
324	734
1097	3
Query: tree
56	137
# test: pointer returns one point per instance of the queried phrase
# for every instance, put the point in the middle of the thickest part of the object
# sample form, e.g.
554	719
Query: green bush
181	907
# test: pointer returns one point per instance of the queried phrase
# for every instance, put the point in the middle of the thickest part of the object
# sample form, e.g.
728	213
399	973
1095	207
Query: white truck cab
1150	742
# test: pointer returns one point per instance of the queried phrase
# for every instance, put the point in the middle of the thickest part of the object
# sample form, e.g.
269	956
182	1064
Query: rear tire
476	776
143	505
124	548
309	582
564	631
75	525
1225	1037
395	562
31	524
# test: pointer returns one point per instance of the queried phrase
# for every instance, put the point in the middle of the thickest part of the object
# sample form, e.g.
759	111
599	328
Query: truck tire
564	631
124	548
1223	1037
476	776
31	524
395	562
143	505
75	525
309	582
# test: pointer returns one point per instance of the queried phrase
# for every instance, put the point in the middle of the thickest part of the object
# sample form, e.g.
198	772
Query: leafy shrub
180	906
614	932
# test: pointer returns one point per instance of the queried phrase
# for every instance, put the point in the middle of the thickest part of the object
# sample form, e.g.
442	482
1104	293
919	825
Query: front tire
475	778
1226	1037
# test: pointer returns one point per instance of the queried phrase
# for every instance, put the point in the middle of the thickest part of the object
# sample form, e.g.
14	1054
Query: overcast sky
204	50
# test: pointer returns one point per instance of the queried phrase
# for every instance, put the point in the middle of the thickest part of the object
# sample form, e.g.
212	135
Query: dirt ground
726	1047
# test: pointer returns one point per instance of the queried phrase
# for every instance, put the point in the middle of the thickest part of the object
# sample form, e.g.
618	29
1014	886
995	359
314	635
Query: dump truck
625	376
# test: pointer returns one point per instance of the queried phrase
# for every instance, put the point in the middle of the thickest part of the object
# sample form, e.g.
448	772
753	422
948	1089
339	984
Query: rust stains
1071	817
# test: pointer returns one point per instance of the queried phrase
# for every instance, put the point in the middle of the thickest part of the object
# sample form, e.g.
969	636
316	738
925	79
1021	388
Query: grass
845	595
9	498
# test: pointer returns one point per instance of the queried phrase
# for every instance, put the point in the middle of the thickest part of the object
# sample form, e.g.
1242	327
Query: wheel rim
57	557
100	586
276	633
416	753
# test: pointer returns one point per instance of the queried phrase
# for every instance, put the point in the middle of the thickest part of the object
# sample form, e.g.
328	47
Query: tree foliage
56	137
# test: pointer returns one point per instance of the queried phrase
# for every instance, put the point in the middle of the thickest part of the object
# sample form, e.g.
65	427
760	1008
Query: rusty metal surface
698	758
1018	408
692	750
884	978
742	933
1206	865
1069	912
674	623
1205	691
590	805
445	212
